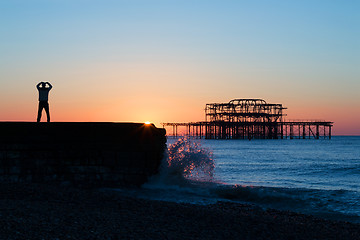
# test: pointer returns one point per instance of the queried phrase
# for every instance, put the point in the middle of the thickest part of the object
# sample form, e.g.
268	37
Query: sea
320	177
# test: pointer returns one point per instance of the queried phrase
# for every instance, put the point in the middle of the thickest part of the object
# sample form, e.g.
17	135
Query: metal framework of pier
249	119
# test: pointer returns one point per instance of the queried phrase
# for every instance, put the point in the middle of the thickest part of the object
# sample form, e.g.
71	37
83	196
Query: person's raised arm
50	86
38	85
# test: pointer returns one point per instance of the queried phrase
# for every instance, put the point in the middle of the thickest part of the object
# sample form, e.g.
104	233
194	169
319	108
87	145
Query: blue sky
107	57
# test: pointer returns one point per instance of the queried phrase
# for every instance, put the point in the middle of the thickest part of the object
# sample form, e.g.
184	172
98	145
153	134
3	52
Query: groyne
84	153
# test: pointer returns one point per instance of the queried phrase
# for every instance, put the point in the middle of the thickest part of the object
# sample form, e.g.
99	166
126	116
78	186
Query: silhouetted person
43	99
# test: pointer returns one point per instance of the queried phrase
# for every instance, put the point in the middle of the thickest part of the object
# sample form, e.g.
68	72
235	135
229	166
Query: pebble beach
40	211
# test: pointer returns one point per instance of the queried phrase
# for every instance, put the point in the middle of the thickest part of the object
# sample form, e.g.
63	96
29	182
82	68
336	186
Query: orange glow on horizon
346	121
127	105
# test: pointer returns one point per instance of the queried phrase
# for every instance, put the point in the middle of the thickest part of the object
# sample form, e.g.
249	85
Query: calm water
319	177
313	164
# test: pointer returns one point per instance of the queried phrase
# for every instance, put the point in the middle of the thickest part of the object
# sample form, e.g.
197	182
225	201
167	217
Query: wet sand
38	211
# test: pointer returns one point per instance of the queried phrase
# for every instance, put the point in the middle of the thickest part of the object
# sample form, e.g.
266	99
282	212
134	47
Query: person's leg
47	111
39	111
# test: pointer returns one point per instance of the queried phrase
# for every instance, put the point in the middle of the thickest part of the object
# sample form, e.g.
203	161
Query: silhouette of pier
249	119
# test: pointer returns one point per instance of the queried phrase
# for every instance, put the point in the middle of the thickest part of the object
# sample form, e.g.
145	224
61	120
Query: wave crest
190	159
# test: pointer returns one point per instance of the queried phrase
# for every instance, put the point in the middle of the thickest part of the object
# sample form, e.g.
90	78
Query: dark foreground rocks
35	211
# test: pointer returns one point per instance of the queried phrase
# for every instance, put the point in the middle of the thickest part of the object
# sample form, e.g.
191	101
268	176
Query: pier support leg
304	132
317	132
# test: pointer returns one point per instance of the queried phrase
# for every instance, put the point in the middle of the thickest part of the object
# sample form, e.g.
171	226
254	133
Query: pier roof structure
244	110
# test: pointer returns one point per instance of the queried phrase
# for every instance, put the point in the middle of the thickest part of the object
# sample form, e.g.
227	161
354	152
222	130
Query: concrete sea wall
95	154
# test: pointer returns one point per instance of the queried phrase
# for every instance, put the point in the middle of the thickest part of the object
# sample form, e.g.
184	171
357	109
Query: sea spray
188	158
186	175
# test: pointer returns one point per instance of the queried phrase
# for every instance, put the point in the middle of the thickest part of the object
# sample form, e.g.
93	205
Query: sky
163	60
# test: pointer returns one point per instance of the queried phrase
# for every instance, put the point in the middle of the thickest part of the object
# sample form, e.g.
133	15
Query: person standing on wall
44	89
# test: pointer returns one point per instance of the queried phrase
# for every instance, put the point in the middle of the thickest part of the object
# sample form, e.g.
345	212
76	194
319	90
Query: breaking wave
190	160
188	175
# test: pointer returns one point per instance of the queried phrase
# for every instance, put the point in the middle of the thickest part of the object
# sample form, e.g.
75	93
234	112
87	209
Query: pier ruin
249	119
